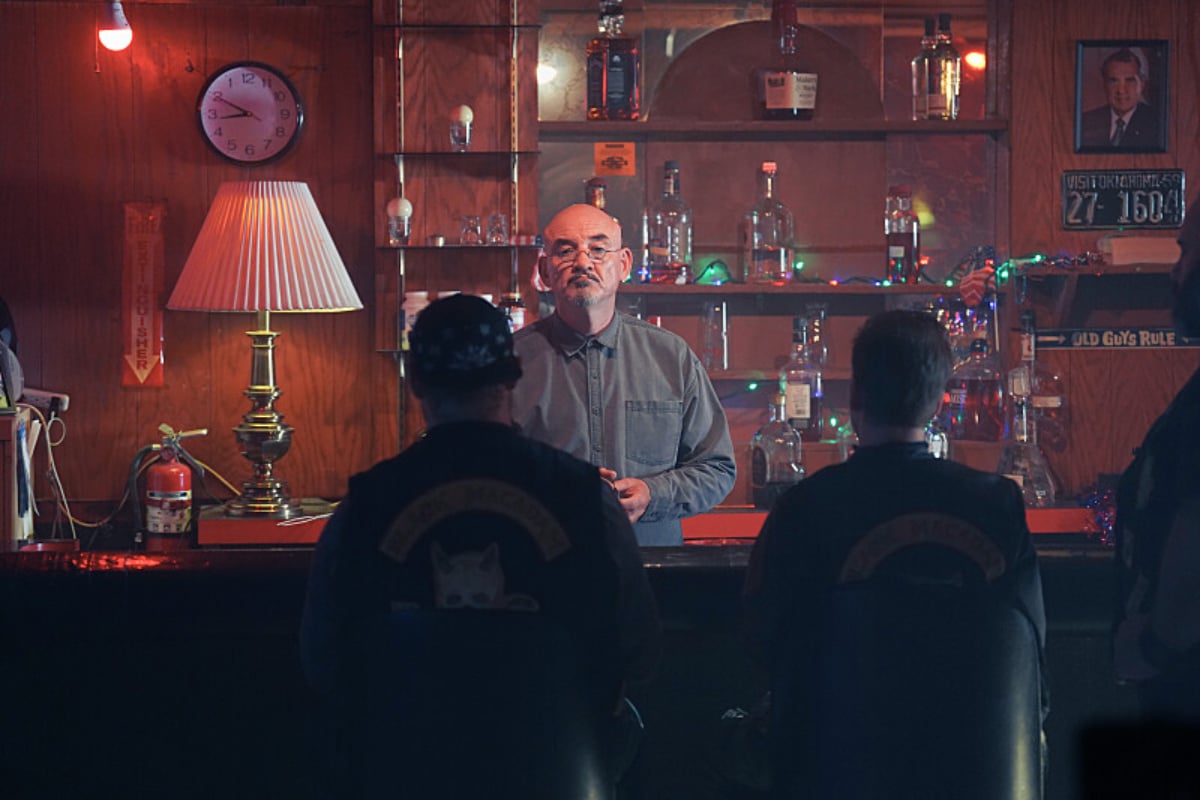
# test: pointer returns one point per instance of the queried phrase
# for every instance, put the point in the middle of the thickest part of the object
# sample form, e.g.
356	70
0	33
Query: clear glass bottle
613	68
786	91
1022	458
973	408
1046	393
801	382
902	231
775	457
922	65
944	75
767	234
668	233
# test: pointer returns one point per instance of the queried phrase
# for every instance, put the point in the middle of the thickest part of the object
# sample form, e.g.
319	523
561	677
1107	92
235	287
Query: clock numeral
280	131
231	145
285	113
249	150
267	143
218	132
249	78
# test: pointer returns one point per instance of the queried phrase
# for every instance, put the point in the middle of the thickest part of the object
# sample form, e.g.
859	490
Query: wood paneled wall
91	130
1114	395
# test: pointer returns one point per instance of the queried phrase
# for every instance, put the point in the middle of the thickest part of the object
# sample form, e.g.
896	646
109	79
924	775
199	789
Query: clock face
249	112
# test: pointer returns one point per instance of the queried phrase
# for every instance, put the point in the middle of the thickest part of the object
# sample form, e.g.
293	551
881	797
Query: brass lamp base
263	437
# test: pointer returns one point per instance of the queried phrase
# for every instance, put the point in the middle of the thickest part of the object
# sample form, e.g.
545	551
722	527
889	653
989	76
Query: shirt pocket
652	431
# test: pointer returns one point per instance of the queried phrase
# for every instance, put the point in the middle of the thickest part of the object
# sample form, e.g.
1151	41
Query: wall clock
249	112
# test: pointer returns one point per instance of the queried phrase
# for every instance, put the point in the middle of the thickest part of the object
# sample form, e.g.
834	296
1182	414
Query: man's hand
633	493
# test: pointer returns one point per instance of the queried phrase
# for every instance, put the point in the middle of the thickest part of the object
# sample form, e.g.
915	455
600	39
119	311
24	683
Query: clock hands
244	112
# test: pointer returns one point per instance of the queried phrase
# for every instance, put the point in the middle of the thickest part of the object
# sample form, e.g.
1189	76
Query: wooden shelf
801	288
759	130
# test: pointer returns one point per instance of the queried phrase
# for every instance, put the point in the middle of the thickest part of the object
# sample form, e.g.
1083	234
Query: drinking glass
471	232
497	229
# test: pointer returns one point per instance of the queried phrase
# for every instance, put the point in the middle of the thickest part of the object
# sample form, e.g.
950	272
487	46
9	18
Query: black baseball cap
462	342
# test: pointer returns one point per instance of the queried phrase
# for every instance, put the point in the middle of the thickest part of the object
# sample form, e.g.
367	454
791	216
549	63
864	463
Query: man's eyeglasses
569	253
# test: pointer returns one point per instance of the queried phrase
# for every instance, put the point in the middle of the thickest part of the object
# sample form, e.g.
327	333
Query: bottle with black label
613	67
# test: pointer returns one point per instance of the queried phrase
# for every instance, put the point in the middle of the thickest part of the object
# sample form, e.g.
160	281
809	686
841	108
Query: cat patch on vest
474	579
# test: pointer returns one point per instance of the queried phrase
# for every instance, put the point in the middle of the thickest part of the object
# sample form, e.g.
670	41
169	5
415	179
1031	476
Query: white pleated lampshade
264	247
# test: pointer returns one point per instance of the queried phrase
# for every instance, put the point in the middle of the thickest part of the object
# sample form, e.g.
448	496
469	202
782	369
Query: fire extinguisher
167	499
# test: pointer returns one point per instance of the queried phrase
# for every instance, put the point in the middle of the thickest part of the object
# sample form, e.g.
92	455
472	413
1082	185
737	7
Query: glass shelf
457	153
458	27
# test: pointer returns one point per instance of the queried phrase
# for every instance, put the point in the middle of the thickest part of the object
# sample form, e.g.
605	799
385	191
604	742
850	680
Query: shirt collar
895	450
571	341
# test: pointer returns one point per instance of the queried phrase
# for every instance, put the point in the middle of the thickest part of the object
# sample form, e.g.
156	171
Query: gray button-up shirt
635	399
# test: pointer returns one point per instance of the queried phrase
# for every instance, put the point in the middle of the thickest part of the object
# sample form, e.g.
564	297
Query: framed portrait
1121	97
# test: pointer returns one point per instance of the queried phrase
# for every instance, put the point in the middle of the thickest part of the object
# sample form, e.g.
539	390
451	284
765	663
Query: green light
799	265
949	282
1039	258
885	283
752	386
832	419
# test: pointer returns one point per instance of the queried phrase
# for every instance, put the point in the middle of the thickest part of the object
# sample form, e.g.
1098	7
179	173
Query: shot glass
398	230
497	229
471	231
460	136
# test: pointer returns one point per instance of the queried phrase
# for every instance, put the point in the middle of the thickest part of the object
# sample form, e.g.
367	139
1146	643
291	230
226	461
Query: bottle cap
769	167
902	189
671	165
944	22
597	183
930	26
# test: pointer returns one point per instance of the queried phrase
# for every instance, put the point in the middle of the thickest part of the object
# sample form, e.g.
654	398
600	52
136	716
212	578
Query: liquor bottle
1022	458
775	463
902	230
668	233
786	91
801	382
613	67
922	65
767	233
973	408
1046	394
595	191
514	308
944	74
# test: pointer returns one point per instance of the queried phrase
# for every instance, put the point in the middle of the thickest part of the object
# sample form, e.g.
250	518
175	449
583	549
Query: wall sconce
264	247
115	33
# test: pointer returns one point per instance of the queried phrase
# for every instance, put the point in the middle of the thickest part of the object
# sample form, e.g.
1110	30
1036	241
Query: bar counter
140	674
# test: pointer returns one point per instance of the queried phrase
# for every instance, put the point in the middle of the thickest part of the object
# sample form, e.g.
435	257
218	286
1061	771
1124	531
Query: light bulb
115	32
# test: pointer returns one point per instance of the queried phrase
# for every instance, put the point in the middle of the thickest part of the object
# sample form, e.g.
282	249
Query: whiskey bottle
944	74
786	91
922	65
595	191
902	231
514	308
668	233
775	457
801	383
767	234
973	408
613	67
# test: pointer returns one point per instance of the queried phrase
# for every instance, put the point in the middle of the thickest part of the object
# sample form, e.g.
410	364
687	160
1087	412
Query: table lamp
264	247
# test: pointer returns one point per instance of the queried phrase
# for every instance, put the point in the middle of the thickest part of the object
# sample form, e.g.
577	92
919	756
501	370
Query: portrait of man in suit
1131	115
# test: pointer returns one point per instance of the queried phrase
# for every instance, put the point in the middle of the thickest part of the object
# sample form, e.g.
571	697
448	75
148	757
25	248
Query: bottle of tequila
944	74
801	383
922	65
767	234
775	457
786	90
668	233
613	68
902	231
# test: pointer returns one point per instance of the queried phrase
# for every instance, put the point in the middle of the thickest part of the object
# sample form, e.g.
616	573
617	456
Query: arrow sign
1113	339
141	317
